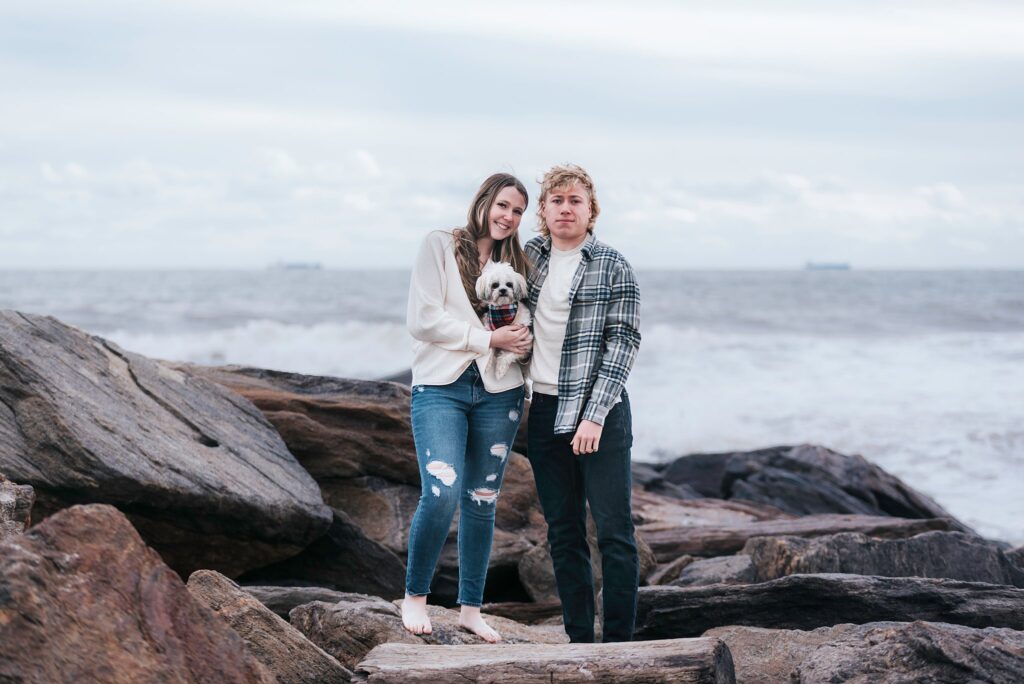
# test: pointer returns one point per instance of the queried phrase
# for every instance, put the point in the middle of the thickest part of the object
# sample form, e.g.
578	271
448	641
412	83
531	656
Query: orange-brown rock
83	599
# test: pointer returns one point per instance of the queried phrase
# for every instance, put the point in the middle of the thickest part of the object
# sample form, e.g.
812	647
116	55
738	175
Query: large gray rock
82	599
344	559
810	601
953	555
349	630
283	649
876	653
15	507
804	480
198	470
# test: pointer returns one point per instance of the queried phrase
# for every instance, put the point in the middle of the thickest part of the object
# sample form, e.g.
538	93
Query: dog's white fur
499	284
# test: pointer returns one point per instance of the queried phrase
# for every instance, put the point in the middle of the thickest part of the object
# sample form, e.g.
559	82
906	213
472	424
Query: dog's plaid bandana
497	315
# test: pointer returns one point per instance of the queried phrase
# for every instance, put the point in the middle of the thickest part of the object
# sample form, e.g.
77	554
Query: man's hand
587	438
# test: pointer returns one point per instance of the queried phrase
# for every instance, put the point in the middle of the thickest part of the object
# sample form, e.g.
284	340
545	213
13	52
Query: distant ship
826	266
296	266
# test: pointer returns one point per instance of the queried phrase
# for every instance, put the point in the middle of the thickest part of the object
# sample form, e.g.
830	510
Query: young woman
464	419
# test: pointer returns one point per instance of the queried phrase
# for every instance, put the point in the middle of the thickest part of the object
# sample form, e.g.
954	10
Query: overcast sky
217	133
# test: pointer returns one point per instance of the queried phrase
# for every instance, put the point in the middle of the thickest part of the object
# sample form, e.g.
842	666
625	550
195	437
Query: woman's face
506	213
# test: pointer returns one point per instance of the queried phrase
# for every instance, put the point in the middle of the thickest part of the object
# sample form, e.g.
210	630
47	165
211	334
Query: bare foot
470	618
414	614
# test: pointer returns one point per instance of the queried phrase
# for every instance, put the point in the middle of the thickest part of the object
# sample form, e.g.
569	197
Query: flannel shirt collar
588	246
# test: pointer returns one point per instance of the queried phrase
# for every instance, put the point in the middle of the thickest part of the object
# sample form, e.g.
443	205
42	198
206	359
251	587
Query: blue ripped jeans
463	437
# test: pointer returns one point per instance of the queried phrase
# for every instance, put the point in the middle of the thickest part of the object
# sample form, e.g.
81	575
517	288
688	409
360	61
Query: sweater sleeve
426	316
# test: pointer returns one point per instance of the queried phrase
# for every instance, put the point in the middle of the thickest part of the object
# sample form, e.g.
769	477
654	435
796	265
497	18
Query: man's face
566	212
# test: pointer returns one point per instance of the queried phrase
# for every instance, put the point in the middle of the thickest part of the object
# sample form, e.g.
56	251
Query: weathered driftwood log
349	630
198	470
698	661
82	599
953	555
281	599
804	480
667	572
289	655
809	601
344	559
669	541
879	653
15	507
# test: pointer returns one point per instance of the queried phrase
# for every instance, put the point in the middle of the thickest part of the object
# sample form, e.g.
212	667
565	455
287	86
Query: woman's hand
513	338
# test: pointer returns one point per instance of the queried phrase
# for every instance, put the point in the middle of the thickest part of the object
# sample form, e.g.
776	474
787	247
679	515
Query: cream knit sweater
447	331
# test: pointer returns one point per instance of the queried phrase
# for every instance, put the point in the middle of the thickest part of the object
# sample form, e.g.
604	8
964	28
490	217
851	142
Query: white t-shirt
550	319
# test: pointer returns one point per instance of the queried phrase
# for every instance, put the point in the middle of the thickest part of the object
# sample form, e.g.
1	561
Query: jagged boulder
82	599
737	569
804	480
15	507
876	653
953	555
289	655
198	470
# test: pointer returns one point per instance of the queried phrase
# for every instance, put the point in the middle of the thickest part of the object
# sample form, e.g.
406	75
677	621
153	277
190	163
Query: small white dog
504	291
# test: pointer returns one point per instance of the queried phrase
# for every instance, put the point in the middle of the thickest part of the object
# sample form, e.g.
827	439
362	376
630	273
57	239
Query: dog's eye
494	285
508	284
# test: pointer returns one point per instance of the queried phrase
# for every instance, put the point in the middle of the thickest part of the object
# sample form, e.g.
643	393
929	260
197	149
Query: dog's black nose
502	291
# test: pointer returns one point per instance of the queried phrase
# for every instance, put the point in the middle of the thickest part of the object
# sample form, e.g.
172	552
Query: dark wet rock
649	478
281	599
1016	556
810	601
699	661
82	599
289	655
198	470
665	573
736	569
344	559
876	653
349	630
527	613
804	480
952	555
15	507
669	541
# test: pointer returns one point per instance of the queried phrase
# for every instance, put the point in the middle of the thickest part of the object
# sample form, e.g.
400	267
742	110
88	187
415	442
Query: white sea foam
351	350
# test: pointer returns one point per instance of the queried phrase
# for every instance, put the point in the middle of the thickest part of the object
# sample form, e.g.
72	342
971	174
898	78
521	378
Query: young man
586	306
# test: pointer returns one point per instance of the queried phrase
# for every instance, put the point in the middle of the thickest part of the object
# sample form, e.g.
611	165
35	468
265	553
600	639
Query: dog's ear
482	291
519	286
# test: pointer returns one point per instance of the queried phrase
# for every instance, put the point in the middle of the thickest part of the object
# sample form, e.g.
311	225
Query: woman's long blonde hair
509	249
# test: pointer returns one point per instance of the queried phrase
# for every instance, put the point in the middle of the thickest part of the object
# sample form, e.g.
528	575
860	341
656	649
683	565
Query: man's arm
622	342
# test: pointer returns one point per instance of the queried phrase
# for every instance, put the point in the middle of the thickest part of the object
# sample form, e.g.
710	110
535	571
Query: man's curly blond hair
562	177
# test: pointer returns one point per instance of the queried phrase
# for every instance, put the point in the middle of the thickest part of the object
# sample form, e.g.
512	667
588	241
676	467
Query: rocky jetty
789	564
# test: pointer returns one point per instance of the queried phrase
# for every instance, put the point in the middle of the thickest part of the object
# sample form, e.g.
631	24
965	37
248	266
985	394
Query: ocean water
921	372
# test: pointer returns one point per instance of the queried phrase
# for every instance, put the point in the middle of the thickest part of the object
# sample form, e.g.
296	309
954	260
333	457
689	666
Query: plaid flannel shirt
602	336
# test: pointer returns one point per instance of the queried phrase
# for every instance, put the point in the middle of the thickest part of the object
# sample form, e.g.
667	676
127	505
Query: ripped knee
483	495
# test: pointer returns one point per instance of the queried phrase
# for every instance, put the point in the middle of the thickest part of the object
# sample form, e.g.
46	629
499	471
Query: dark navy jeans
566	484
463	436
